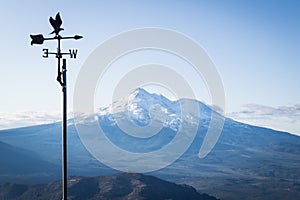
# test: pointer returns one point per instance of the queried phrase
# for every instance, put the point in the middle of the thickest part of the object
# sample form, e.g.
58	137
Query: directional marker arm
72	53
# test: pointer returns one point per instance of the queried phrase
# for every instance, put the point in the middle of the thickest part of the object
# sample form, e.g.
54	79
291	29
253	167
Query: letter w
73	53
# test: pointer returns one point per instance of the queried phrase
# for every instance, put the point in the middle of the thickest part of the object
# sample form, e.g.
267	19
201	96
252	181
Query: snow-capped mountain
141	107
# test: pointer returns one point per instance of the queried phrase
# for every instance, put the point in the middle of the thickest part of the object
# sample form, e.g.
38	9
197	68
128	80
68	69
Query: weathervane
62	79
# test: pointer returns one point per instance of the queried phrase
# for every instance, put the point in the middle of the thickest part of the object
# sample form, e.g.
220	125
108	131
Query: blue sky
255	46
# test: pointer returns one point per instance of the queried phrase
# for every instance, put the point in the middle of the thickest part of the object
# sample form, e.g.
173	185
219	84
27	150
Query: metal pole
59	56
64	132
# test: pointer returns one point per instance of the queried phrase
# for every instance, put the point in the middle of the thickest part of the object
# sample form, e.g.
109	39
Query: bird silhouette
56	24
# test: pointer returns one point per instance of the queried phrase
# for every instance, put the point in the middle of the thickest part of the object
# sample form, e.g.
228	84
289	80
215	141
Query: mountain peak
140	105
139	93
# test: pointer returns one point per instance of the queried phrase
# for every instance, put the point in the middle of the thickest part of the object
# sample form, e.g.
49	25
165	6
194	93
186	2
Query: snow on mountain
141	107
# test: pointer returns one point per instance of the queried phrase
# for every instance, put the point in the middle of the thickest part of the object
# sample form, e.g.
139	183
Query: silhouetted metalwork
62	79
56	24
37	39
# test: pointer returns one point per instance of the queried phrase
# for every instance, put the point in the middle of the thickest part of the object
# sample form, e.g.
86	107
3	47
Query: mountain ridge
113	187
